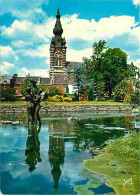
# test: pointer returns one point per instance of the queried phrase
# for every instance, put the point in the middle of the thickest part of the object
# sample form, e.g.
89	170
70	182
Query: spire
58	14
58	28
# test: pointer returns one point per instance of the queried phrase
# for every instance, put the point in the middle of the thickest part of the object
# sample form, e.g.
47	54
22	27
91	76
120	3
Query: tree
53	91
130	93
114	68
107	66
25	85
79	80
91	89
121	90
93	65
8	94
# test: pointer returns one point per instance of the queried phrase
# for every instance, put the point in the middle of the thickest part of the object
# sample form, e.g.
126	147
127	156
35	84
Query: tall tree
79	79
93	65
114	68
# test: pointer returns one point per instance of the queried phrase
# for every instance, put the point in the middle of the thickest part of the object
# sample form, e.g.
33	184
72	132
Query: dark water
49	160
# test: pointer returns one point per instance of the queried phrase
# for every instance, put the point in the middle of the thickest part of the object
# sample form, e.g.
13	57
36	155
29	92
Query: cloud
77	56
137	63
24	9
21	44
73	26
40	51
136	2
35	72
25	30
33	40
6	67
8	52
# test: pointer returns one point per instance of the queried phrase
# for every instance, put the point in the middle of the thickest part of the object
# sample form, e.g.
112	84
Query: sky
27	28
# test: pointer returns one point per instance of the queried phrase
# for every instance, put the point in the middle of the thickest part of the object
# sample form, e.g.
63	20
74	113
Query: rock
135	110
16	122
6	122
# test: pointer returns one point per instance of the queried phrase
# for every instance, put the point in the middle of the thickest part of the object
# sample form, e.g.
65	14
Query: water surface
49	160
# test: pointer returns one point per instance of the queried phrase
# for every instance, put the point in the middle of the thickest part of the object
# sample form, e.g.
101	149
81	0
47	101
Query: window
58	59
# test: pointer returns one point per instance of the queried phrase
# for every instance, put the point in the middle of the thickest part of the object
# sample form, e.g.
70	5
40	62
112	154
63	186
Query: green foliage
25	85
75	97
43	87
91	89
120	90
59	98
45	96
135	97
100	90
8	94
65	95
126	147
67	89
108	66
79	80
114	68
129	94
53	91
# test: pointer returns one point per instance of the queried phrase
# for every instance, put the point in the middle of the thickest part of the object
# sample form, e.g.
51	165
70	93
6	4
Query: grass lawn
119	163
70	103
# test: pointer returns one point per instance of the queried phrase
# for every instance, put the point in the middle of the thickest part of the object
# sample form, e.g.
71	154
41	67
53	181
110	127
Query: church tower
57	51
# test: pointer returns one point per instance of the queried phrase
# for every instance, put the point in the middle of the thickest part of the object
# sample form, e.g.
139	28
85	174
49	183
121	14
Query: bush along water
119	163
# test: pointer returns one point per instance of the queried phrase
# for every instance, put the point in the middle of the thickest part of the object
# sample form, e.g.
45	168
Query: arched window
58	59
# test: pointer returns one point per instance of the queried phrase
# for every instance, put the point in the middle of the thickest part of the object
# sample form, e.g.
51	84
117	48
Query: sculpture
33	99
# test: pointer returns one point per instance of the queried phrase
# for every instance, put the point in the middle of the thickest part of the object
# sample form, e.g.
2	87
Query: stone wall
66	108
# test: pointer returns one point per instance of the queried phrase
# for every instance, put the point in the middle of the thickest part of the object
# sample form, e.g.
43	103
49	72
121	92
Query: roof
39	80
72	65
45	81
61	79
5	79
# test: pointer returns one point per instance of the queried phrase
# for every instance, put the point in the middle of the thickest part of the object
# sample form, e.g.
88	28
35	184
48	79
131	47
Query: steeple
57	51
58	28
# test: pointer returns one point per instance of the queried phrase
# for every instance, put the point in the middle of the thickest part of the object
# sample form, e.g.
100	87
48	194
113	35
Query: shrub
129	94
59	98
120	91
75	97
67	99
56	98
65	95
25	85
45	96
8	94
135	97
53	91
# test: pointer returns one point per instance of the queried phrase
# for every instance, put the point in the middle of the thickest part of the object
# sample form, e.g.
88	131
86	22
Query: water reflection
56	157
59	148
32	151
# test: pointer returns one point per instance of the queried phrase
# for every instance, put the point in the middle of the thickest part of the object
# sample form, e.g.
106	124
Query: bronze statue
33	99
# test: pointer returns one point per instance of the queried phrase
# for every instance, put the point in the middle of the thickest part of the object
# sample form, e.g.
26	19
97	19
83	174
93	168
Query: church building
61	71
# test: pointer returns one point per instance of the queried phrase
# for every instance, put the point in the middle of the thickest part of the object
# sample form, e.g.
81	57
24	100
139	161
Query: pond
49	160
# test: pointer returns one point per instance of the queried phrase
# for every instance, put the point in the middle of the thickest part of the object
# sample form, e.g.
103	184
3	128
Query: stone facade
67	108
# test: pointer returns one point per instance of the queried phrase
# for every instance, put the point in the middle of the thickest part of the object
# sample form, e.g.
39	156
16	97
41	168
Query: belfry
57	51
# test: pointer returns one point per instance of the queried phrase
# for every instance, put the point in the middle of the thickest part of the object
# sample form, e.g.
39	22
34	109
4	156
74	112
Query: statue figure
33	99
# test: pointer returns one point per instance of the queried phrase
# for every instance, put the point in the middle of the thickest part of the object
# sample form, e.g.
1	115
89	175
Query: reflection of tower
56	157
33	148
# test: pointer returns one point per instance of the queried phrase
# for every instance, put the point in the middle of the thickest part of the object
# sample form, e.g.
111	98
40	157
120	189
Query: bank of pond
119	163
